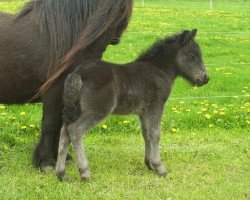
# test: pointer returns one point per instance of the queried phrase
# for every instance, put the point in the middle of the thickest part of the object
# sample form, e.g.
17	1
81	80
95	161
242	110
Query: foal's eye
190	56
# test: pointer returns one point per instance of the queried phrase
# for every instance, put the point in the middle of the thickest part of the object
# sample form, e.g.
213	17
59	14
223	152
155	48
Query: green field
205	131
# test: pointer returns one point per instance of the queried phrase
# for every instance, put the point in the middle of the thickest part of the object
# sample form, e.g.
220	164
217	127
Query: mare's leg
76	132
151	122
44	157
64	142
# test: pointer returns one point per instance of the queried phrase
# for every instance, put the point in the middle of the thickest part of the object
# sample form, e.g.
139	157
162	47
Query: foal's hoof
62	176
161	171
148	164
85	175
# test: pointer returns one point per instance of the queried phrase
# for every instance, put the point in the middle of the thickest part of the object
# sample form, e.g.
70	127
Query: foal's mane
169	43
72	25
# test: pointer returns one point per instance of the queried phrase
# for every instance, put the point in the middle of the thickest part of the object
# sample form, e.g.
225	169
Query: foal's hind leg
150	123
76	132
64	142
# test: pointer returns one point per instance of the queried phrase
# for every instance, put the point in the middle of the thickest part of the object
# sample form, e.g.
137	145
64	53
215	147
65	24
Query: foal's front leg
151	122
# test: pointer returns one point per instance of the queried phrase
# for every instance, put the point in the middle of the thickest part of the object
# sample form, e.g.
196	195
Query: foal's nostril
206	78
115	41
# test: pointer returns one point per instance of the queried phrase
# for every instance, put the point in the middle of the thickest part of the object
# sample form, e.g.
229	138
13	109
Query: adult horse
42	43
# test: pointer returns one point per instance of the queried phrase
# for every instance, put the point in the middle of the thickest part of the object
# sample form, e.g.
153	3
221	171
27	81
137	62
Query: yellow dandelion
2	107
208	116
22	113
174	130
204	109
104	126
222	113
23	127
210	125
247	104
5	147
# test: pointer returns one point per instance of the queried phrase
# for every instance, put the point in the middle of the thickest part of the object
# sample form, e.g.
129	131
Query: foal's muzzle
115	41
203	79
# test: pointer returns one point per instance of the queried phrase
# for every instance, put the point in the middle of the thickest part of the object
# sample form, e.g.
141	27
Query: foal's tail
71	98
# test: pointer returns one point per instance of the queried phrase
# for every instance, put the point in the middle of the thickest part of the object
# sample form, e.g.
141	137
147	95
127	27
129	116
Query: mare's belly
15	89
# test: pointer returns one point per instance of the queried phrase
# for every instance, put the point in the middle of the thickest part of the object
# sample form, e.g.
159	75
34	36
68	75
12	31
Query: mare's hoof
44	164
47	168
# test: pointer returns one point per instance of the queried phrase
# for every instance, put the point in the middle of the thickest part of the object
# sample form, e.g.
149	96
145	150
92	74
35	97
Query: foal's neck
161	57
166	68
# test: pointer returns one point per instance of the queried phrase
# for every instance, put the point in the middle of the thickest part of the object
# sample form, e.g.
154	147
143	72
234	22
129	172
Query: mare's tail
71	98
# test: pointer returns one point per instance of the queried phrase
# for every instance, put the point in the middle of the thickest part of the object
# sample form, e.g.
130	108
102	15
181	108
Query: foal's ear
193	33
186	36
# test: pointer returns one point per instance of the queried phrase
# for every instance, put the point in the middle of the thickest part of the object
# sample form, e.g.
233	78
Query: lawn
205	131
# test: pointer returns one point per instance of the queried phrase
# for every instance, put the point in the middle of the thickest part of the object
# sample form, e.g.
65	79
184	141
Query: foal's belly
128	105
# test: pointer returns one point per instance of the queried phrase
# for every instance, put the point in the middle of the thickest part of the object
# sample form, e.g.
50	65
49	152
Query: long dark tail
71	98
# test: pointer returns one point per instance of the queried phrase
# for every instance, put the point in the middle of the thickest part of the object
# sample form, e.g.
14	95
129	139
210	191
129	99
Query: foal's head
188	61
180	53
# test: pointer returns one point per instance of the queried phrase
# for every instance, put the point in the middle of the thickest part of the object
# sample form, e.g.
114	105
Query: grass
205	141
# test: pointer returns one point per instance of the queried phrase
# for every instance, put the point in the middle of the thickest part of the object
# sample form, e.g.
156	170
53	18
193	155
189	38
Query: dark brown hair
73	25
